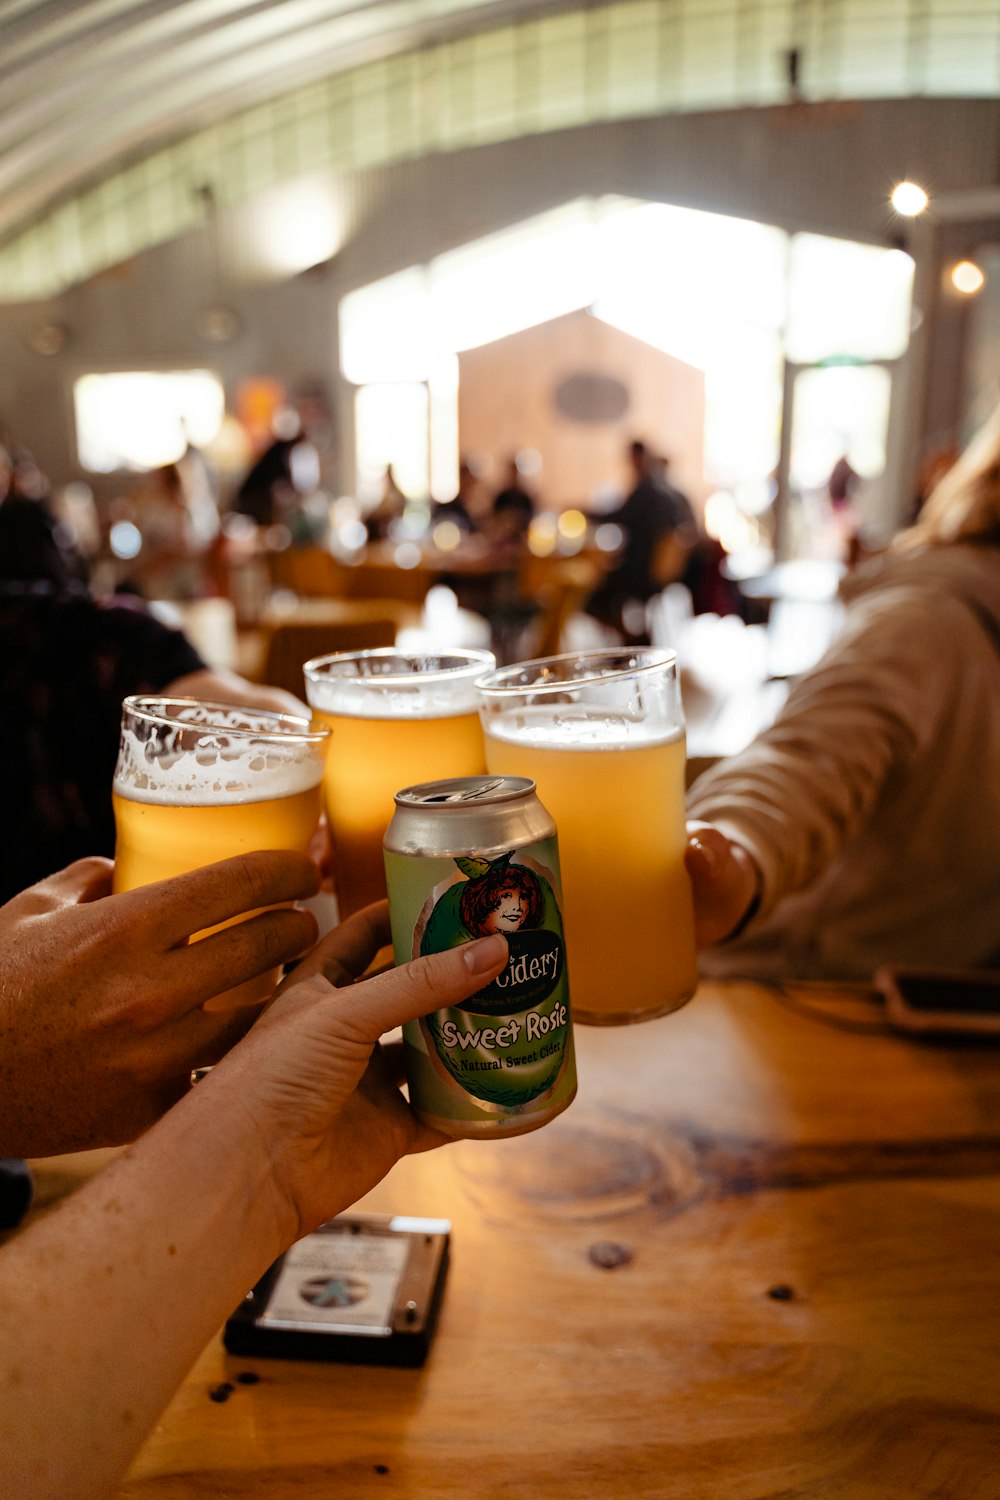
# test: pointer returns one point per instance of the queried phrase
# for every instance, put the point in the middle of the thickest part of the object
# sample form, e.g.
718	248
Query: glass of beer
198	782
602	734
395	719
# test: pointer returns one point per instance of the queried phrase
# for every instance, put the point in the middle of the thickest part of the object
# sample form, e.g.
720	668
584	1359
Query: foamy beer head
198	782
395	718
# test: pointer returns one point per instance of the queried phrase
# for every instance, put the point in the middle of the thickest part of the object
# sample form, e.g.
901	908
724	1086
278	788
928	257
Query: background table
806	1209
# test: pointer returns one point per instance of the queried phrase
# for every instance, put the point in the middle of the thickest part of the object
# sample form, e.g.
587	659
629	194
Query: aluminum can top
463	790
467	812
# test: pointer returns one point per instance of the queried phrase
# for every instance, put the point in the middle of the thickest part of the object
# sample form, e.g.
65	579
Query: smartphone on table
953	1002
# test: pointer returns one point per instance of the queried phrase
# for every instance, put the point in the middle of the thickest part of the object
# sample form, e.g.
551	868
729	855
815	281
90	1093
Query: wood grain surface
759	1256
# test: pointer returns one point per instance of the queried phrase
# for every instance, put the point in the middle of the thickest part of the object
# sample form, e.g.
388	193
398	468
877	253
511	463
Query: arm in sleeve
143	654
809	784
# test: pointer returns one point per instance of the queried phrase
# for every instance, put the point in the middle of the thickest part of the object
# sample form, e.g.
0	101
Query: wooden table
808	1214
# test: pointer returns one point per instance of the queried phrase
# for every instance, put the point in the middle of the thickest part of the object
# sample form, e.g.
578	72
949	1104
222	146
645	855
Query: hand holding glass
602	734
199	782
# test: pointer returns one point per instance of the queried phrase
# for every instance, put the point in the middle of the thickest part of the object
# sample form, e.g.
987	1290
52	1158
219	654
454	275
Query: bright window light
143	419
684	280
443	391
391	428
386	331
847	299
839	411
514	280
730	297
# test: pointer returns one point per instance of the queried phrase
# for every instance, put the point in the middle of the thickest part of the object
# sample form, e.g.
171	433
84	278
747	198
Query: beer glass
198	782
395	719
602	734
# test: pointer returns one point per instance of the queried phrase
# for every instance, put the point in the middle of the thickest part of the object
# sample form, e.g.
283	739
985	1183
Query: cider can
464	858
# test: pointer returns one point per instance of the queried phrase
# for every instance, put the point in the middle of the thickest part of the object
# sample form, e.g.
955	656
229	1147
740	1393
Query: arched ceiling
112	112
83	85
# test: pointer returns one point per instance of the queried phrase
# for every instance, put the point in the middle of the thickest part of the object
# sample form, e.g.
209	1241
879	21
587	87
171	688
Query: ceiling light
909	199
967	278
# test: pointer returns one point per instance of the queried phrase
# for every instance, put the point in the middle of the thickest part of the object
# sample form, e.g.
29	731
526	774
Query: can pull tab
467	794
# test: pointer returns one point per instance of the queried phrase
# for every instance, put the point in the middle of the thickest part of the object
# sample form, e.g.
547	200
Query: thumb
708	853
724	882
431	983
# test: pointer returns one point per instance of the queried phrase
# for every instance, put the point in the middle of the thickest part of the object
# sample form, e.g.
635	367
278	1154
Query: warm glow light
407	555
909	199
542	536
967	278
725	522
446	536
572	524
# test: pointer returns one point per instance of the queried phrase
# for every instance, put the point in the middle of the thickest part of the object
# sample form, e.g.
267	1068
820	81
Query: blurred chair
377	580
563	592
292	641
311	572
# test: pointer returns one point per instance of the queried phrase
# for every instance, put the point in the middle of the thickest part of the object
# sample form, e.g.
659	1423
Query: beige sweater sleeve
809	783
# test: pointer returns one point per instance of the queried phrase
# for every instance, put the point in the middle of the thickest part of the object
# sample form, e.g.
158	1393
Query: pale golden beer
394	719
602	735
199	782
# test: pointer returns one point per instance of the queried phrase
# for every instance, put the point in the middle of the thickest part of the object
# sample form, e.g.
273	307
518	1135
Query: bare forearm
105	1304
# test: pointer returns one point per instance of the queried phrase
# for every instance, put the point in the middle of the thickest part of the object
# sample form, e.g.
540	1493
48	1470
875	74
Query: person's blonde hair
964	506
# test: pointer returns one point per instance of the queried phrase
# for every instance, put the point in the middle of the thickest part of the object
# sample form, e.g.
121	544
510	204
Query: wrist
242	1154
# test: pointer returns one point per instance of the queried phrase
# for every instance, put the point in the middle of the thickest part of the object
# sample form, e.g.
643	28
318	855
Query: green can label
502	1062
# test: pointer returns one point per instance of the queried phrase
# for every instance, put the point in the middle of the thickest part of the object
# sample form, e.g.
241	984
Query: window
140	419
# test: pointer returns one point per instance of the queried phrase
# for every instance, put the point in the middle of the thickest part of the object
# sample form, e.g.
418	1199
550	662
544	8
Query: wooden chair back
565	591
311	572
292	642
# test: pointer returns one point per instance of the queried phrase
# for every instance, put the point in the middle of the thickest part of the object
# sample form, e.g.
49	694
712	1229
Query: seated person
659	531
67	662
465	508
862	828
512	510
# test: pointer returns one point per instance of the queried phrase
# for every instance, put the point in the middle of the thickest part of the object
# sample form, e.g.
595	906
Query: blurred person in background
466	506
179	527
67	661
863	827
288	468
660	530
388	508
513	507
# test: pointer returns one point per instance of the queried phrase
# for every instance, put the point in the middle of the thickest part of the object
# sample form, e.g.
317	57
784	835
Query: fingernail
485	953
708	857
